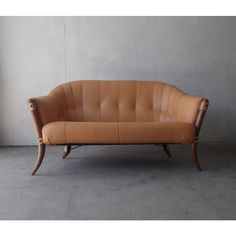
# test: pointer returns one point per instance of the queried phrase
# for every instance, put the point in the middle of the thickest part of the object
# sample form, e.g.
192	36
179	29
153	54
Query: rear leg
166	149
67	150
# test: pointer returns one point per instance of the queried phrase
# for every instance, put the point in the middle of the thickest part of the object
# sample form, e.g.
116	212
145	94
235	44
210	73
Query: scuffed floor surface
118	182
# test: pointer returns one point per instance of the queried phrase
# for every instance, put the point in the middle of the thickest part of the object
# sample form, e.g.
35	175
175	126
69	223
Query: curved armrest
44	110
187	108
192	110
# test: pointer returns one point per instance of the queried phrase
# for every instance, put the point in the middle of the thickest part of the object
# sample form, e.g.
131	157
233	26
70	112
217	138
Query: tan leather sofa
116	112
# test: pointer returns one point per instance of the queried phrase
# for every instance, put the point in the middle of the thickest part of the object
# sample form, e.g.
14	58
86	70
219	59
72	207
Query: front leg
195	156
41	152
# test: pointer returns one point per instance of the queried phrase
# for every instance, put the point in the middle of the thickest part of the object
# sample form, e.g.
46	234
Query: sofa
116	112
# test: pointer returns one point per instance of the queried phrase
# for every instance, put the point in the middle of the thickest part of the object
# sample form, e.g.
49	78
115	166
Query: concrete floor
118	182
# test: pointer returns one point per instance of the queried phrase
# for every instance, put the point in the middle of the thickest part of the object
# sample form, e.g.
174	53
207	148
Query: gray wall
197	54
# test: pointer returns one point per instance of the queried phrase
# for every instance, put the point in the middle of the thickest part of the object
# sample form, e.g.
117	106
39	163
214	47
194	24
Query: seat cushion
117	132
80	132
156	132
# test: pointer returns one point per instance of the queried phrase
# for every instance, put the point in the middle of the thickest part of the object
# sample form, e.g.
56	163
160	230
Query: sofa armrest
192	110
187	108
44	110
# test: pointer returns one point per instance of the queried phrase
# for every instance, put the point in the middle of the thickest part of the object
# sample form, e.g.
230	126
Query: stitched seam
118	101
118	130
168	101
168	104
65	132
66	98
100	109
136	101
172	133
153	91
74	101
172	104
174	108
118	124
162	101
82	101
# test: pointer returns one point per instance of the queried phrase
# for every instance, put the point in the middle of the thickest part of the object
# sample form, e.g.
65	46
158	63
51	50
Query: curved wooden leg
194	156
41	152
67	150
166	149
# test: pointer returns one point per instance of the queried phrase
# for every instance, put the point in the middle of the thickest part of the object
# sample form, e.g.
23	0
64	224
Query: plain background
197	54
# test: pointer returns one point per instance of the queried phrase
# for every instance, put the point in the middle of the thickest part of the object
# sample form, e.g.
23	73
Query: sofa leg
195	156
41	152
166	149
67	150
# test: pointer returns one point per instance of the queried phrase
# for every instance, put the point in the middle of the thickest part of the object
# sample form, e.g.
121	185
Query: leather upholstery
116	112
118	132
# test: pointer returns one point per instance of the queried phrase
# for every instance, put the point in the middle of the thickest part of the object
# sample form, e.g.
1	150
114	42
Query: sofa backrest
96	100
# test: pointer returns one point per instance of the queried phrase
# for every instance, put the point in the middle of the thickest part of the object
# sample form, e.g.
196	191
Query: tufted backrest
112	101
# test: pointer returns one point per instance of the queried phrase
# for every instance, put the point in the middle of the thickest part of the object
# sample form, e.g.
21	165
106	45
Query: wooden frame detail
200	117
68	147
